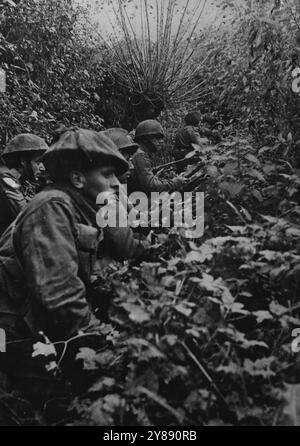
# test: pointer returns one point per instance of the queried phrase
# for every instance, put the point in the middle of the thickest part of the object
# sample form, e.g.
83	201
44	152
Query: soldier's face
158	143
31	168
98	180
37	168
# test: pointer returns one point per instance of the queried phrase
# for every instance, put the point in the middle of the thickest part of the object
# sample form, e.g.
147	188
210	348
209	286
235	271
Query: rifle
194	182
188	157
164	166
195	176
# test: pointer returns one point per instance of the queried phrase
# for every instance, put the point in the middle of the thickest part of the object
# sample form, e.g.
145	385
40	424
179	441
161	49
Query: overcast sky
211	12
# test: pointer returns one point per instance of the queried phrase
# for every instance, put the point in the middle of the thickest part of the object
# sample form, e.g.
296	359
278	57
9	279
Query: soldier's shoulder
139	154
190	132
140	151
191	129
53	193
48	196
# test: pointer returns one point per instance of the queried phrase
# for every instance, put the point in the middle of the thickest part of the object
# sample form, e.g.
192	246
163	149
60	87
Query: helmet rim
25	143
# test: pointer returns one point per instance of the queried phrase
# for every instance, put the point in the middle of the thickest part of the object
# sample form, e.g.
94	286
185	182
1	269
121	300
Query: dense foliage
200	333
51	68
250	69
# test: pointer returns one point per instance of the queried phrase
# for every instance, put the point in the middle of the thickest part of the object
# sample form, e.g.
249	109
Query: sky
212	12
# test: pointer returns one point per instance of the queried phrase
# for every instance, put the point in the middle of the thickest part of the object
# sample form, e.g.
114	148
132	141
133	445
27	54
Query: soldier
47	257
126	146
149	136
18	179
186	136
123	141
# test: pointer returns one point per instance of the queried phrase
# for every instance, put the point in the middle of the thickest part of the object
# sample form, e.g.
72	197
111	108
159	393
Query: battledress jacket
185	137
46	262
144	180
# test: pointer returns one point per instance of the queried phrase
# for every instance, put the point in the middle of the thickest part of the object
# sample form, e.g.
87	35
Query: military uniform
12	200
184	139
144	180
14	192
47	260
127	147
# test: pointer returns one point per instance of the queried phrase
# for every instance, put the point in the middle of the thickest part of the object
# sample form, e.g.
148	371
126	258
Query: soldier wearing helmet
149	136
126	146
47	257
189	134
19	176
123	141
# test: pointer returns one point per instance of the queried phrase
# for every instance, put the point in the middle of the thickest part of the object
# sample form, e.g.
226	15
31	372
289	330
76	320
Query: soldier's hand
178	183
183	180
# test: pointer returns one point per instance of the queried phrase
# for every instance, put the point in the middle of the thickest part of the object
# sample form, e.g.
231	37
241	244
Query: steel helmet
122	139
149	128
25	143
87	148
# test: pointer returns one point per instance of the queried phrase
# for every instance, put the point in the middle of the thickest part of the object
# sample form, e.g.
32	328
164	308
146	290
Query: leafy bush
250	69
52	72
153	62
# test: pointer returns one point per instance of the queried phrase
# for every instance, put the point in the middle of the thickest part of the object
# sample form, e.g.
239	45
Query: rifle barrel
163	166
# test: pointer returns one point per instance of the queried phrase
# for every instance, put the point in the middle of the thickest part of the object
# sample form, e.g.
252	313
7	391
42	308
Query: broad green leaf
233	189
212	171
257	175
103	383
230	168
256	194
269	168
40	349
89	358
136	313
262	316
238	229
252	159
260	368
265	149
278	309
180	308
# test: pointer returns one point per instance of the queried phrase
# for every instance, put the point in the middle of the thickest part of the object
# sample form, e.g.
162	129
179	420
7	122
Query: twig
237	212
204	372
14	416
158	400
66	343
